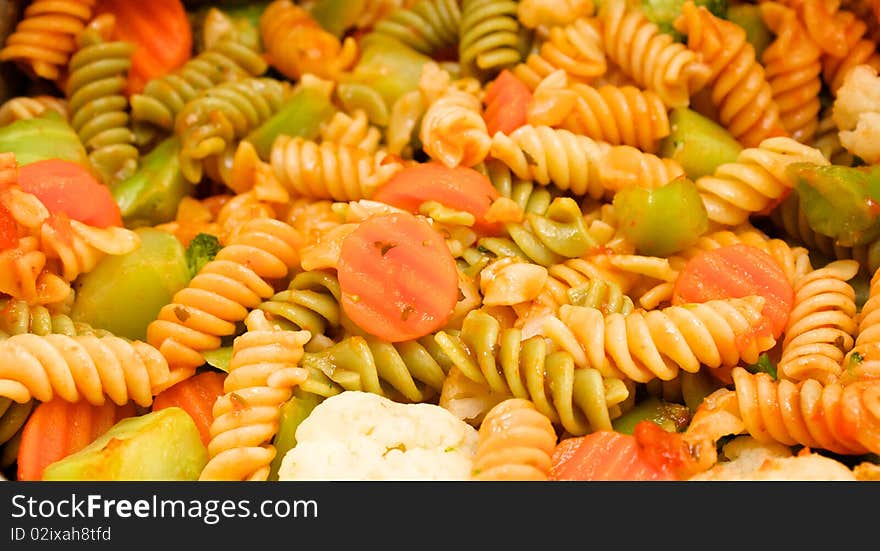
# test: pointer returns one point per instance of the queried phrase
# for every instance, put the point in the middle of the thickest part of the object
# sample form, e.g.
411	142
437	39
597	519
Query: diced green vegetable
293	412
763	365
302	116
664	220
41	138
201	250
664	12
337	16
670	416
748	16
699	144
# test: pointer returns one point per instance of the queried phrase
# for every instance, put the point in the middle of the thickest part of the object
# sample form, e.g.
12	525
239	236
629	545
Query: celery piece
46	137
301	116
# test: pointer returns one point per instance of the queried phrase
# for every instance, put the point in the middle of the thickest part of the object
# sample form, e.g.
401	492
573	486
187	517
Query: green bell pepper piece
302	116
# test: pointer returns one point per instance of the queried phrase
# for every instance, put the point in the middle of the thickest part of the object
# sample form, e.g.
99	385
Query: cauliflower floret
856	113
362	436
756	461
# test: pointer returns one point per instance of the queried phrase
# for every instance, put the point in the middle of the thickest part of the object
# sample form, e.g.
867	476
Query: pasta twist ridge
859	51
263	372
45	37
29	107
822	324
18	317
489	35
296	44
84	367
579	399
328	170
13	417
453	130
658	344
793	68
576	49
516	442
162	98
754	181
739	87
211	122
352	130
99	107
78	248
428	26
310	302
239	278
863	361
652	58
808	413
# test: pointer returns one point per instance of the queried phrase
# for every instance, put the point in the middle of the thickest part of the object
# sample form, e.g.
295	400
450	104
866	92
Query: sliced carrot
8	230
68	187
160	31
196	396
507	99
607	456
460	188
398	279
58	428
737	271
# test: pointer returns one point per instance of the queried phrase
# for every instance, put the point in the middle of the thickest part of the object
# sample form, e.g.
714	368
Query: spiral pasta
162	98
645	345
18	317
28	107
328	170
262	374
821	326
78	248
576	49
408	371
578	163
859	51
13	417
45	37
98	104
352	130
862	362
652	58
224	291
580	400
82	367
428	26
808	413
489	35
295	44
793	69
754	181
310	302
516	442
453	130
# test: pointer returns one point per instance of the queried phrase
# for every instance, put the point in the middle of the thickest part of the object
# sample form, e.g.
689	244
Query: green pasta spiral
162	98
490	36
581	400
408	371
429	26
213	121
99	107
602	295
310	302
13	416
18	317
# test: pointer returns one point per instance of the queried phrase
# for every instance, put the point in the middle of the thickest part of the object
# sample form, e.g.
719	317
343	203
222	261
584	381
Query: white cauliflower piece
856	113
755	461
362	436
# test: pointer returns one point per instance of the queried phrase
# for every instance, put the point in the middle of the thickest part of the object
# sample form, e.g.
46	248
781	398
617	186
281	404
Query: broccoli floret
763	365
201	250
664	12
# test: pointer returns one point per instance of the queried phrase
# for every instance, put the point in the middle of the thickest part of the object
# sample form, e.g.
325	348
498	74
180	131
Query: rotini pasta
453	130
27	107
576	49
489	36
516	443
428	26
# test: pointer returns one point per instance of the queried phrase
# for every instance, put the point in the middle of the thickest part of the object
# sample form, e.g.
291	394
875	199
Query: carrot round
398	279
58	428
160	31
507	99
196	396
459	188
68	187
608	456
737	271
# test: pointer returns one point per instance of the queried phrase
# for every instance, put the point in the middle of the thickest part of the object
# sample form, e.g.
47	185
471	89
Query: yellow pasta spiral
822	324
739	87
82	367
45	37
652	58
859	51
833	417
295	44
223	292
644	345
328	170
352	130
576	49
29	107
516	442
79	248
863	361
453	130
793	69
262	374
754	181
